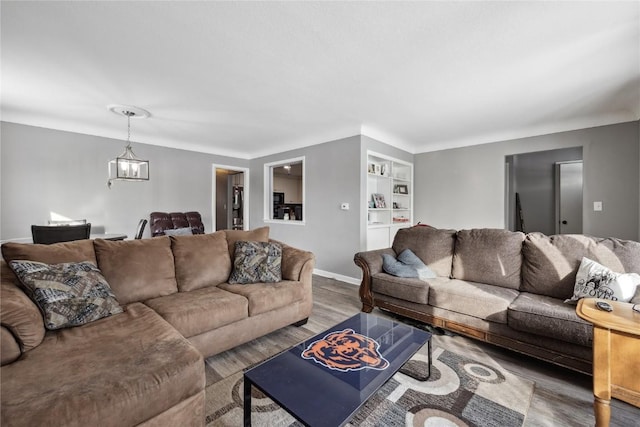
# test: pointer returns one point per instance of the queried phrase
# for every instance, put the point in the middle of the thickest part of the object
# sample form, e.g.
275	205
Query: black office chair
48	234
141	225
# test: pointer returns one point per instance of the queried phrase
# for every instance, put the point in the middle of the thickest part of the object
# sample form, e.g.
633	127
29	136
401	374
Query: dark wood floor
561	397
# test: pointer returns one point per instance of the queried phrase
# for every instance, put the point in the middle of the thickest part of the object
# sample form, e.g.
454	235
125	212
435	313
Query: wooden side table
616	355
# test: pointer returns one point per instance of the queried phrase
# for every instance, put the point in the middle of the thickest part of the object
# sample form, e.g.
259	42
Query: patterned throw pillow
597	281
68	294
257	262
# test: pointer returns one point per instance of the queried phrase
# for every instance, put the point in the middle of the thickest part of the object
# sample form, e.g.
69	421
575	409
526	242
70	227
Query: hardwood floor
561	397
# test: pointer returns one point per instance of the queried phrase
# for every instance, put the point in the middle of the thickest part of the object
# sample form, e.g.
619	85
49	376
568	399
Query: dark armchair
48	234
161	221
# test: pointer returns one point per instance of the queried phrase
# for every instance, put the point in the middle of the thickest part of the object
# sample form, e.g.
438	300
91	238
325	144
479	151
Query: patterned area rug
463	390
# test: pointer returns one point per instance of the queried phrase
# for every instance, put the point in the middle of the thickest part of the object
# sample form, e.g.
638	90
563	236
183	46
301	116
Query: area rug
463	390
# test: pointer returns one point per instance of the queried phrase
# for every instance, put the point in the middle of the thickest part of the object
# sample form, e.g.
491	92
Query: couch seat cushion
117	371
201	260
137	270
479	300
200	310
489	256
265	297
549	317
408	289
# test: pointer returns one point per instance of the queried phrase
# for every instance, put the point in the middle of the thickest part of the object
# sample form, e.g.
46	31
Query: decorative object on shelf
383	170
377	169
401	189
378	200
371	168
127	166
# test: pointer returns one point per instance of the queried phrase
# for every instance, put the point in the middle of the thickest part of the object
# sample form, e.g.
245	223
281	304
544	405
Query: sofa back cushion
256	235
491	256
137	270
550	263
201	260
432	245
76	251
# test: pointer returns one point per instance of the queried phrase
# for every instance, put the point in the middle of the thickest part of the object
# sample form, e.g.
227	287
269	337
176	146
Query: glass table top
325	379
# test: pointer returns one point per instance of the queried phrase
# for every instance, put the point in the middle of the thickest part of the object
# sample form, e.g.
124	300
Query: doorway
532	191
568	193
230	198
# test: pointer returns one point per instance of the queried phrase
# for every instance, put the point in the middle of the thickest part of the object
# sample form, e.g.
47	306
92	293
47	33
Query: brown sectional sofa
143	366
502	287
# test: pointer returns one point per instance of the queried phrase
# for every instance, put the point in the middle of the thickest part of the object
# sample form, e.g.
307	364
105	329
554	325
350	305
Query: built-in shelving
389	198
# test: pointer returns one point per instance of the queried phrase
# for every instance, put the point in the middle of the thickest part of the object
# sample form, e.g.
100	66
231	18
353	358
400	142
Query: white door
569	197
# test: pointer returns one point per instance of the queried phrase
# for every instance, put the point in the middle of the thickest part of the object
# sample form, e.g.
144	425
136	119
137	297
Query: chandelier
127	166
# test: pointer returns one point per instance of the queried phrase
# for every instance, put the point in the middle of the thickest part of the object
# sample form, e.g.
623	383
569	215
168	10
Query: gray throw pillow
68	294
256	262
406	265
185	231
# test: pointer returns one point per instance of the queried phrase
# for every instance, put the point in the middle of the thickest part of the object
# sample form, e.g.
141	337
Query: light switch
344	206
597	206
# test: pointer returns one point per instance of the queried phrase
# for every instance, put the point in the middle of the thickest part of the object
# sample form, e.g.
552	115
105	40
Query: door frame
245	200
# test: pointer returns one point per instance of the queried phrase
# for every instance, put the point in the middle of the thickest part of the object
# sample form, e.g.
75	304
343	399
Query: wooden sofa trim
574	363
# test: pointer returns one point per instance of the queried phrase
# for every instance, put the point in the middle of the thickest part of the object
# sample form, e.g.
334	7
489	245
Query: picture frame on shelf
401	189
378	200
371	168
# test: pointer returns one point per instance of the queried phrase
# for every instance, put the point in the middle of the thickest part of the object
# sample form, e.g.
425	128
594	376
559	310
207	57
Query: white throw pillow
597	281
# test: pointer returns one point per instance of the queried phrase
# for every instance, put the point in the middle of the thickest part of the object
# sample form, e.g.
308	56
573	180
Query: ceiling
248	79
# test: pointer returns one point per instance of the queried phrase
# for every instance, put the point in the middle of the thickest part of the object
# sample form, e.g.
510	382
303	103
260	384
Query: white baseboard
340	277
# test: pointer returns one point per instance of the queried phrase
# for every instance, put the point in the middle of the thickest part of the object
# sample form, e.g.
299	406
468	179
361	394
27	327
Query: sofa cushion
550	263
479	300
20	316
433	246
408	289
490	256
118	371
201	260
256	262
265	297
548	317
597	281
137	270
200	310
68	294
256	235
76	251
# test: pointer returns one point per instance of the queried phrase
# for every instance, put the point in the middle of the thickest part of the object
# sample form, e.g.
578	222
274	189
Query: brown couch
143	366
502	287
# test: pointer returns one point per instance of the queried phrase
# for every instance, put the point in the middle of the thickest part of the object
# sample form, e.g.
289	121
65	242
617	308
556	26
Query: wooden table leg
602	410
601	375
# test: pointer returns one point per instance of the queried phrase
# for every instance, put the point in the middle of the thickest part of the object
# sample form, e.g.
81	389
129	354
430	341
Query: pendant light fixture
128	167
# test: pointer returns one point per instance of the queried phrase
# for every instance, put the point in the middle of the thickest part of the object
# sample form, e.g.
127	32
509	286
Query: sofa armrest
371	263
19	316
296	263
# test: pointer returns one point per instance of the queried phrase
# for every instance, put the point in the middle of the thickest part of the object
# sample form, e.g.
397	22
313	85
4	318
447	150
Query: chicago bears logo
345	351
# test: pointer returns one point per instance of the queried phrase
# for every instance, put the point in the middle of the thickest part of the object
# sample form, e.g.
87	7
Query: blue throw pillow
406	265
397	268
408	257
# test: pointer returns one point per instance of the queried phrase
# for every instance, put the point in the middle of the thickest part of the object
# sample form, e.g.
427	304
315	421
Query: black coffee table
324	380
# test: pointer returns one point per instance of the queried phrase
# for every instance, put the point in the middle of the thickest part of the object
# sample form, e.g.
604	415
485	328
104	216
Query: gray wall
331	177
464	187
45	171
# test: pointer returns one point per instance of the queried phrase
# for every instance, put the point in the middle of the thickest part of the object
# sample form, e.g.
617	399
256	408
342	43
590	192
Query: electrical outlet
344	206
597	206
